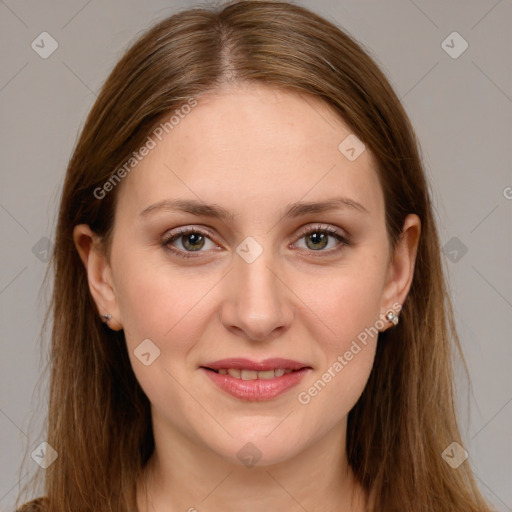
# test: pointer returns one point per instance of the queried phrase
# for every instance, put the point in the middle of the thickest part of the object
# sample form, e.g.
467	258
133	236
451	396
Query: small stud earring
392	318
106	317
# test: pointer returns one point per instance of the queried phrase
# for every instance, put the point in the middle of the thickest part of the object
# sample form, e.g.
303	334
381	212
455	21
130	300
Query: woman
249	308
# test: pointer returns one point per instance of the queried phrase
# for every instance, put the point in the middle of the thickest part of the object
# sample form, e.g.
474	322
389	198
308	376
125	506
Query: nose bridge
259	300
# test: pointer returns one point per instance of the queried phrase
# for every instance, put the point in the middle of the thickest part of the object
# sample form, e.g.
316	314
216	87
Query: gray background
461	109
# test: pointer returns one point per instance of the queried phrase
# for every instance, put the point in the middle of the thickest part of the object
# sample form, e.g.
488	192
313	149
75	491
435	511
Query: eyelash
171	237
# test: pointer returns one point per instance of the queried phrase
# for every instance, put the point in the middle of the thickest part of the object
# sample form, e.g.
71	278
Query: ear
99	274
401	267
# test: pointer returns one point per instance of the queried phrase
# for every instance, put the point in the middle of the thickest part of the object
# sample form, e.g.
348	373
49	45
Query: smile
246	379
237	373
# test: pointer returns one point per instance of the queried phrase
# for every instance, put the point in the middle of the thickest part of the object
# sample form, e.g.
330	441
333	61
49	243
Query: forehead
248	143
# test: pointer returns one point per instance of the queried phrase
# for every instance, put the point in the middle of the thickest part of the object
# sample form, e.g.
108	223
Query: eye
190	239
193	240
317	239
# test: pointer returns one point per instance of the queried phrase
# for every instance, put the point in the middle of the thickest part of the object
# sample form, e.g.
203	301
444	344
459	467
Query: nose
258	301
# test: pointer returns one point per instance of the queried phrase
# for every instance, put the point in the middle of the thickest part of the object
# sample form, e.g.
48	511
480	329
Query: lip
242	363
256	390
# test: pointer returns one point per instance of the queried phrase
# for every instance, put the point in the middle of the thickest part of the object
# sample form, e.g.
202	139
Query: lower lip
256	390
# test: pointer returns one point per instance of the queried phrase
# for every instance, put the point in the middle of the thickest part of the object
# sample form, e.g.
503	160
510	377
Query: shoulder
36	505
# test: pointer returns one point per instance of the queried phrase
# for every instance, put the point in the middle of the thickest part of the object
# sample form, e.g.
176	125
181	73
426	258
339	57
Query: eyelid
187	229
184	230
309	228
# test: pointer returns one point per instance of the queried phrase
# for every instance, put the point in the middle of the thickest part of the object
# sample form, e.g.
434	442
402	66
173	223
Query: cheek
154	298
345	302
168	308
171	307
346	307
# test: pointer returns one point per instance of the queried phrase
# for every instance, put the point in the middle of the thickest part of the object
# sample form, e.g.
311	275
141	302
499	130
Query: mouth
245	374
255	381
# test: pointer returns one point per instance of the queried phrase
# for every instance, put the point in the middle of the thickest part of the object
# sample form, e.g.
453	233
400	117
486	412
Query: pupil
192	239
318	238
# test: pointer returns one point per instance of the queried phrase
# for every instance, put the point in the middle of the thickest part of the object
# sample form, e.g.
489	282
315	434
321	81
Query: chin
258	449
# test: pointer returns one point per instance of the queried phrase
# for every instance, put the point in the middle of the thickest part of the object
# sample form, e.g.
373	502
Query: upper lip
246	364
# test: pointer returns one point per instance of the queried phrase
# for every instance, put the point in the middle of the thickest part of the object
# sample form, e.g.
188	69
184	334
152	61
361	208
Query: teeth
248	374
269	374
253	375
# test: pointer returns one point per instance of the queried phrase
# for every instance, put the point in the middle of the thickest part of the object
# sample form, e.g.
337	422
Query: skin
252	150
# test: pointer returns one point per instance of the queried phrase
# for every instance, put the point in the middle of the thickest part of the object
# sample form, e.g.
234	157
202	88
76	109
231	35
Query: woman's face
297	267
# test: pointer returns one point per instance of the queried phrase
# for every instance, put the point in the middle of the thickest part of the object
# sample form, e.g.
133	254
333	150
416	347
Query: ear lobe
401	268
98	271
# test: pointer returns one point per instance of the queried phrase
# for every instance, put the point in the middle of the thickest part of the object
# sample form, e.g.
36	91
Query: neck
183	476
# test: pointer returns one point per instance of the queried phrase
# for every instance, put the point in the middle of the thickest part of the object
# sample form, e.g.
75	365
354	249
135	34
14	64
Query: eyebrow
215	211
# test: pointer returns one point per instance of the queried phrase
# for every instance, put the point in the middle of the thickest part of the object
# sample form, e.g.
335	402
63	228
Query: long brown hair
99	419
